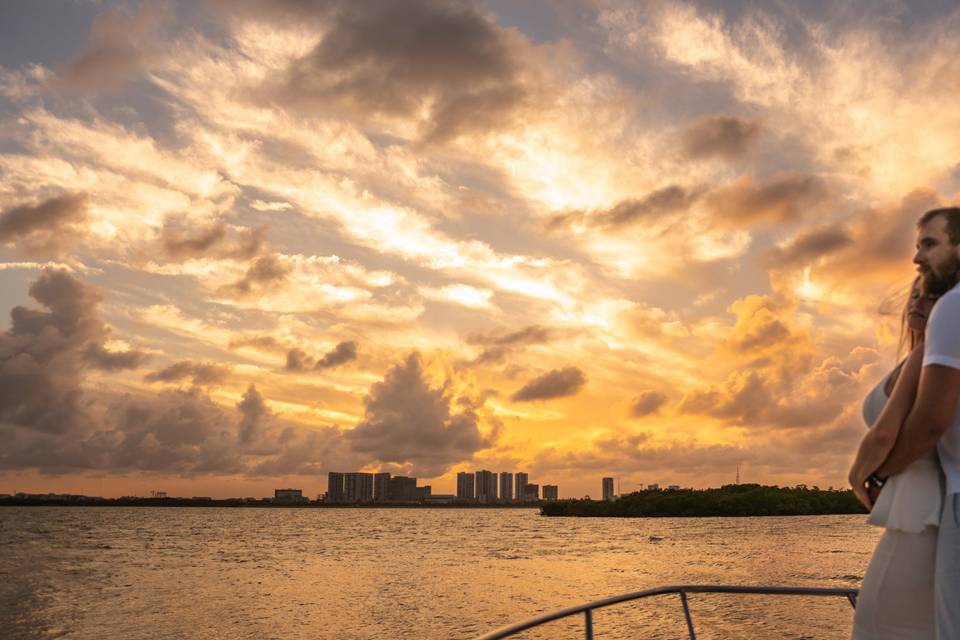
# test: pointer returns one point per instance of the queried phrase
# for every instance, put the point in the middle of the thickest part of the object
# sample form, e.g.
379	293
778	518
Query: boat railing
588	608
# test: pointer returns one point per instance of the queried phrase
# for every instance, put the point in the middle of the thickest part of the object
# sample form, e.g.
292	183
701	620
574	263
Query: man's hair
951	215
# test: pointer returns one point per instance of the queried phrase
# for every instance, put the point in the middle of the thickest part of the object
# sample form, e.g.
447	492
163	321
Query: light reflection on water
410	573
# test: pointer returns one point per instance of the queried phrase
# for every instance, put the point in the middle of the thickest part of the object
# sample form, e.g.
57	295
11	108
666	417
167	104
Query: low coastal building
288	496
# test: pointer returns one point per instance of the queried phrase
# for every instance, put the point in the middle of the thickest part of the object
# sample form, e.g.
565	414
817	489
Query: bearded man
934	420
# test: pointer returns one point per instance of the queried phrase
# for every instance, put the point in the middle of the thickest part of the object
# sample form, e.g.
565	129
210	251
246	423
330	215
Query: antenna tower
738	473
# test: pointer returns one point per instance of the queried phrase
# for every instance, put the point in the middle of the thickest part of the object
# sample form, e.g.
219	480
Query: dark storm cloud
267	270
200	373
43	353
343	352
442	61
48	421
558	383
119	45
499	346
808	246
215	241
409	421
254	412
669	200
724	136
782	200
299	360
648	402
45	227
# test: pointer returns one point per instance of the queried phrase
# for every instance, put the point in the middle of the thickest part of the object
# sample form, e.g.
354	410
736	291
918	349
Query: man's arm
929	419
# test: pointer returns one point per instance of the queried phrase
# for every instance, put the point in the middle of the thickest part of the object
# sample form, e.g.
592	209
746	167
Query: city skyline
646	240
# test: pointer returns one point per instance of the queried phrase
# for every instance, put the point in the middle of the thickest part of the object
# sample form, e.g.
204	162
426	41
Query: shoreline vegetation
733	500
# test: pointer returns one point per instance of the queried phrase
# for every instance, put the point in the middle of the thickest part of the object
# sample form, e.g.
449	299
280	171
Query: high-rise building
465	486
334	486
531	492
520	480
607	489
506	486
549	492
486	486
402	489
358	487
381	486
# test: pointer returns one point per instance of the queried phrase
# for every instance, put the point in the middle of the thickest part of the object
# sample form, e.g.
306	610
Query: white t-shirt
942	346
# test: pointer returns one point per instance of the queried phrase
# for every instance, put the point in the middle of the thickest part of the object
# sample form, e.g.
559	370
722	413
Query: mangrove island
729	500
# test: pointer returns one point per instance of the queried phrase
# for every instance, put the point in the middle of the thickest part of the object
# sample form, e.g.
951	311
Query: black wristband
876	481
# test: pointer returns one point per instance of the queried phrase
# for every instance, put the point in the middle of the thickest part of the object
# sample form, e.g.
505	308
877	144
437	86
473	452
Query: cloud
299	360
669	200
100	358
882	241
558	383
808	246
441	63
216	241
750	400
727	137
779	380
785	199
499	346
759	324
268	270
50	422
43	353
262	342
343	352
119	45
200	373
46	227
791	456
647	403
254	411
408	421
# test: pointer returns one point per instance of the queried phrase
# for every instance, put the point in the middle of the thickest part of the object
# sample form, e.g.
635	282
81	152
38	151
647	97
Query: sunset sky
245	243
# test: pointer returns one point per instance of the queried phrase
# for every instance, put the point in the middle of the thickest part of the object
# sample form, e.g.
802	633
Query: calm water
409	573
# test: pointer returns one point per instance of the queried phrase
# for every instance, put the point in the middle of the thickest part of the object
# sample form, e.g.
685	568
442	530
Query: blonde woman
897	595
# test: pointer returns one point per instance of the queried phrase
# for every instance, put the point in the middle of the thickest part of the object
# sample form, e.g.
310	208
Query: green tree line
729	500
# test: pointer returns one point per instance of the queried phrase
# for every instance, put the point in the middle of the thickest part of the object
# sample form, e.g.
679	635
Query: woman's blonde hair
909	338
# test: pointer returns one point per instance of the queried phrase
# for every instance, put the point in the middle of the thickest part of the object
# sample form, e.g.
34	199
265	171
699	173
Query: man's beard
938	284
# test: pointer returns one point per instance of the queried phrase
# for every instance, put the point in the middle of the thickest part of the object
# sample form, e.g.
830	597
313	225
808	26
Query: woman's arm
878	442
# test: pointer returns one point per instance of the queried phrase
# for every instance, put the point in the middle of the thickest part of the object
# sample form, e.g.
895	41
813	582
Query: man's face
937	259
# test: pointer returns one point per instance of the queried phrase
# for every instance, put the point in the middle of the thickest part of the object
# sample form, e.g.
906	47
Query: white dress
897	594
